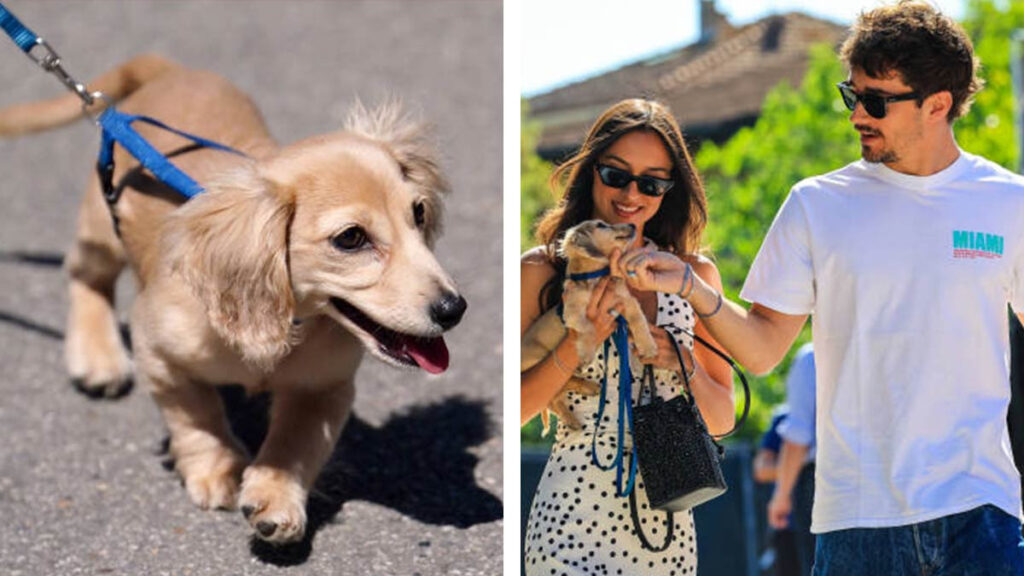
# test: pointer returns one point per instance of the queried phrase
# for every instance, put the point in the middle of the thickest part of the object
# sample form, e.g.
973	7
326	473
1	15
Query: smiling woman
633	172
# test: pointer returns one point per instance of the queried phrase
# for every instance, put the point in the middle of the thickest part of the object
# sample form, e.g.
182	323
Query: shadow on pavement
31	325
56	260
418	464
43	259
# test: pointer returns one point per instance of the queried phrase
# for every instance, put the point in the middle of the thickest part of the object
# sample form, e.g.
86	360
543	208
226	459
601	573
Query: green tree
536	198
534	173
800	133
988	129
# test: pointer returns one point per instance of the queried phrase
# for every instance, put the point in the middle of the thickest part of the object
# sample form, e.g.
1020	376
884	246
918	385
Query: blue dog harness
116	127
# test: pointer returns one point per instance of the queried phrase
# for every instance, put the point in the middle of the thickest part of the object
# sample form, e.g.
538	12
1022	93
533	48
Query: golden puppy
277	277
586	248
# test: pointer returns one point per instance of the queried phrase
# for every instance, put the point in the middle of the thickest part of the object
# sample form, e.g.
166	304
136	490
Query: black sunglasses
874	104
646	185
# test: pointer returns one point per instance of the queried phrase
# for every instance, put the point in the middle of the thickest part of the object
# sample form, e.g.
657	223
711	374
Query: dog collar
591	275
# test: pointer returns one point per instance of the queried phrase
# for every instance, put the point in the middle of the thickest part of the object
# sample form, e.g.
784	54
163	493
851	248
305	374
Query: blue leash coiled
621	340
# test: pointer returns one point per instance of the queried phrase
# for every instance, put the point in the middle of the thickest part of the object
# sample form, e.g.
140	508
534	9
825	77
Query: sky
567	40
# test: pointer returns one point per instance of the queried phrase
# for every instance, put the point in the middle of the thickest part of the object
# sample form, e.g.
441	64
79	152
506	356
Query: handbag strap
647	382
723	356
647	386
670	525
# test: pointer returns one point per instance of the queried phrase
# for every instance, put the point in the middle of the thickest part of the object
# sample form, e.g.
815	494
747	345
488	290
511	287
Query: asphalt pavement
415	486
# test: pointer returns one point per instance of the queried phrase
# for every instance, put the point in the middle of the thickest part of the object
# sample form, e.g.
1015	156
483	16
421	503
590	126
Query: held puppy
586	248
291	263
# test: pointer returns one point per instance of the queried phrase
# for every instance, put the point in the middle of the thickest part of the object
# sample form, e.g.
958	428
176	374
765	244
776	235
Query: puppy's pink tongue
430	353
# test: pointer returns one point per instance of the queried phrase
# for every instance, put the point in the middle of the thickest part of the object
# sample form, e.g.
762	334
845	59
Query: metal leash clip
50	61
40	52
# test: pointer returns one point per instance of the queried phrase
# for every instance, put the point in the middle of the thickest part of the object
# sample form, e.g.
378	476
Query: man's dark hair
929	51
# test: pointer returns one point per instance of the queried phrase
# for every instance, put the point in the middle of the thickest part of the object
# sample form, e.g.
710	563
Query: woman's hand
647	269
602	309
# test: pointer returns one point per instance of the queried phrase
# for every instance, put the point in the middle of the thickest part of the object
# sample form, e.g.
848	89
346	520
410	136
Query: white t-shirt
908	280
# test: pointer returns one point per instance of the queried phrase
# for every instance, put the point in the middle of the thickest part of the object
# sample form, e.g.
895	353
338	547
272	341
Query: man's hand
646	269
779	509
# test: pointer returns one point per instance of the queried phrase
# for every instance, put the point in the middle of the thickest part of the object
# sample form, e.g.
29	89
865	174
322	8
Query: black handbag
680	461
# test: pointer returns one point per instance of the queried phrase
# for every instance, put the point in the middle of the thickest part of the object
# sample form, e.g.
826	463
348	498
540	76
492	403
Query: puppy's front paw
98	364
212	477
274	503
586	349
646	347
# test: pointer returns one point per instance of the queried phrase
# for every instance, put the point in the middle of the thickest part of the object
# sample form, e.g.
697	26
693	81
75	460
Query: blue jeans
984	541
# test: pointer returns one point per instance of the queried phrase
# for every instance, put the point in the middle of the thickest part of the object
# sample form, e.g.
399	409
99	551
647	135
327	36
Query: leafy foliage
536	197
988	129
801	132
534	173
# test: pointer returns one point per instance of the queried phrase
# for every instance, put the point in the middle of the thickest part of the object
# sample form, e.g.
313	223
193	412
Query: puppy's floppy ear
412	143
230	245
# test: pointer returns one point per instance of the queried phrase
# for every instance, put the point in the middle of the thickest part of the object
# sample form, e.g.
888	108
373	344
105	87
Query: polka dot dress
577	525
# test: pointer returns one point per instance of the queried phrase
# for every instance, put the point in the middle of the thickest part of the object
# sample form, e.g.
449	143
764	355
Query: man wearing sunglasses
906	259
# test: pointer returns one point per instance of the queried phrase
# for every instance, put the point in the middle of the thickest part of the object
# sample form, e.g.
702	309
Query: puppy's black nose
448	310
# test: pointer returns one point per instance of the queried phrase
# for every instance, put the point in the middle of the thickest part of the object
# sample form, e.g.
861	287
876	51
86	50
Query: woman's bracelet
562	367
693	280
718	306
687	275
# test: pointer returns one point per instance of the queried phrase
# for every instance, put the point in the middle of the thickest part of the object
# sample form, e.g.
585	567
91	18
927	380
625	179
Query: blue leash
115	126
621	340
22	36
49	60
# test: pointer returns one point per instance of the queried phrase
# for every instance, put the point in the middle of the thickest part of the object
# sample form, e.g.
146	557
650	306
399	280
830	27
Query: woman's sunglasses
874	105
646	185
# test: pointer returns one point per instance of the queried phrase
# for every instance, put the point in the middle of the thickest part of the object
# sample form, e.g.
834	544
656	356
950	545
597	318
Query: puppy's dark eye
602	225
419	214
351	238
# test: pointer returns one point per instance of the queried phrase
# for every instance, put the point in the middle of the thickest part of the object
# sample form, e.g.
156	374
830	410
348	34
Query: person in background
790	506
1015	414
780	554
